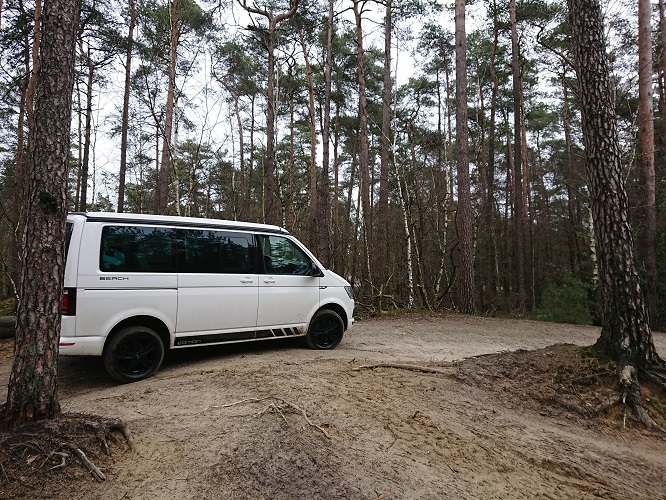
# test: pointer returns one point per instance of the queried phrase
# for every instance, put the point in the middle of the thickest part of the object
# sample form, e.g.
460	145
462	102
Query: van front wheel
134	353
325	331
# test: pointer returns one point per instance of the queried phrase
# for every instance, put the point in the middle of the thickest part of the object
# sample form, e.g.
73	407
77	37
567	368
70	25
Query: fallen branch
414	368
98	474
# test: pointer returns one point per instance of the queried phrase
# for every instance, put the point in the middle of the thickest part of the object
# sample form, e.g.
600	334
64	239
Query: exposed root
50	444
278	406
97	474
63	456
414	368
631	396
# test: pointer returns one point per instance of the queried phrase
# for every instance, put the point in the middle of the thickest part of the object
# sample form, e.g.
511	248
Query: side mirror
315	272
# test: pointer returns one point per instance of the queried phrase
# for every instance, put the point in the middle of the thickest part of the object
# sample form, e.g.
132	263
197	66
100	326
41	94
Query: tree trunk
125	117
572	233
272	213
494	274
526	211
380	252
647	211
33	383
517	164
625	336
315	224
325	250
162	183
364	167
87	131
464	216
290	215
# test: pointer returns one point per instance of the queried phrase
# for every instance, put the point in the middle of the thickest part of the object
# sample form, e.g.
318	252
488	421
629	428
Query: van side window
283	256
216	252
69	228
136	249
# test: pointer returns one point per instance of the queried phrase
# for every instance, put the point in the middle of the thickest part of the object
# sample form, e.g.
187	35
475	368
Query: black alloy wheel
325	331
133	354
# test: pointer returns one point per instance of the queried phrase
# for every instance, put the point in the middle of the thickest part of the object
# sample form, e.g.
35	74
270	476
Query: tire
132	354
325	330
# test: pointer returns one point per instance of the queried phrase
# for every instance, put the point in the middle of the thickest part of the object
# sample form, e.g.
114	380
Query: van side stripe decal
235	337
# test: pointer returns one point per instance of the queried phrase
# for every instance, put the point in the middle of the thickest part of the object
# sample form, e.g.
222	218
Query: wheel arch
155	324
338	309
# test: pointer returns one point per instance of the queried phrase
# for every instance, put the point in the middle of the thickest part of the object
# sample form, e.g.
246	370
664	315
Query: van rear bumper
81	346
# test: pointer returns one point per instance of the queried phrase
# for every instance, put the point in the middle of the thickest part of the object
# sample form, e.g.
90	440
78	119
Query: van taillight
69	302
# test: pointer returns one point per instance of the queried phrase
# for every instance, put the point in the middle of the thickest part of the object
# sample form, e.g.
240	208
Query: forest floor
506	409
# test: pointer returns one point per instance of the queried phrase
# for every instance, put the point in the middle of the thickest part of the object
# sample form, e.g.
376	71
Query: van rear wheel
325	331
134	353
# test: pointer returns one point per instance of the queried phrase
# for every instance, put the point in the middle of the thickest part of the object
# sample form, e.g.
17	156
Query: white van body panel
207	301
287	299
115	306
185	307
82	346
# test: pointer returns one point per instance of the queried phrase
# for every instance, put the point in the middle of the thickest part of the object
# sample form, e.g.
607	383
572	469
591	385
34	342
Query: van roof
169	220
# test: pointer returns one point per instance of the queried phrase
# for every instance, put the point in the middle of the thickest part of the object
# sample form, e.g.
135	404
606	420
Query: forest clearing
281	422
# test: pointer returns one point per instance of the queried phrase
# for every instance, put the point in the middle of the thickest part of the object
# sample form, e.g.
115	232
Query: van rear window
137	249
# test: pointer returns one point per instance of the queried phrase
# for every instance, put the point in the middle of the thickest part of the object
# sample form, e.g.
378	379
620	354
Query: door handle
247	280
269	281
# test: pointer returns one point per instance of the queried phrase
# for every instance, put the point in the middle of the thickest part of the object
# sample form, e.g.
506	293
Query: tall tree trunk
527	213
625	336
517	164
364	167
33	383
494	274
647	212
31	62
165	159
381	248
290	210
464	217
662	63
272	213
125	118
572	233
87	131
325	250
315	232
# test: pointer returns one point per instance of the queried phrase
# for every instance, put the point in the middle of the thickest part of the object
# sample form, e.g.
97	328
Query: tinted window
68	236
136	249
216	252
283	256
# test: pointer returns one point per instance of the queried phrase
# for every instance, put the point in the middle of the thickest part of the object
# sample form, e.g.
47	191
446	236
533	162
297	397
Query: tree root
631	396
97	474
61	438
278	406
415	368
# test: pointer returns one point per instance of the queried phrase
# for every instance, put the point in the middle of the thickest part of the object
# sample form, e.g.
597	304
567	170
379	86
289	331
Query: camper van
138	285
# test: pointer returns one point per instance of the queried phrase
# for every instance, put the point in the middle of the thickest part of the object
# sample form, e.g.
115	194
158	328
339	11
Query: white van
137	285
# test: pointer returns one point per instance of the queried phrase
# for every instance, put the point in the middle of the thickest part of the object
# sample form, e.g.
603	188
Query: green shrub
564	301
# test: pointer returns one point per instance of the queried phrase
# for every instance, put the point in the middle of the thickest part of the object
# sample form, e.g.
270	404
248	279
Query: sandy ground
277	421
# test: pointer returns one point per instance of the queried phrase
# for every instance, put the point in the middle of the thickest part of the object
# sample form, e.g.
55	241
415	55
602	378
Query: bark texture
647	203
464	216
625	334
32	393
